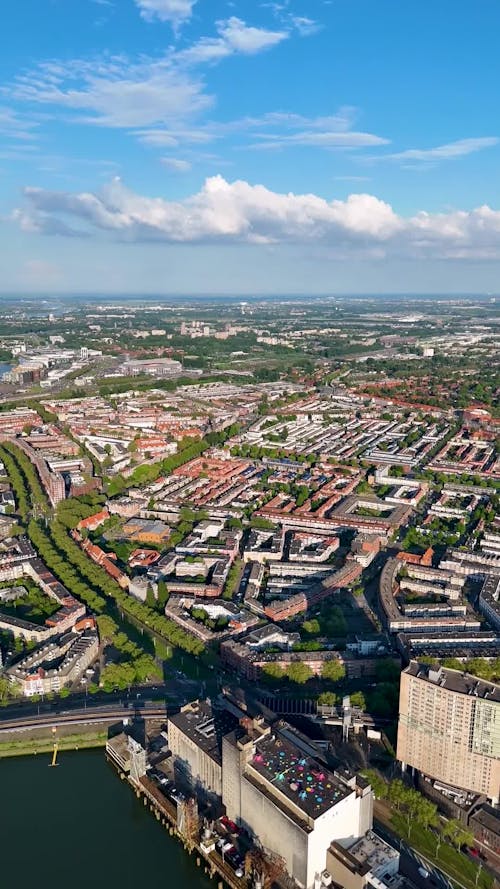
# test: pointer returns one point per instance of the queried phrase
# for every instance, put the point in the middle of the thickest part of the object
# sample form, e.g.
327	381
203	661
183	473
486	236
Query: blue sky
206	146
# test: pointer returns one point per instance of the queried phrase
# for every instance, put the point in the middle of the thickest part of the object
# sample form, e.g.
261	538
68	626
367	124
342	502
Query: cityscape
264	573
250	444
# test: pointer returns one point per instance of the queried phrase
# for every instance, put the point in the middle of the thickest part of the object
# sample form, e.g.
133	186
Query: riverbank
33	746
171	816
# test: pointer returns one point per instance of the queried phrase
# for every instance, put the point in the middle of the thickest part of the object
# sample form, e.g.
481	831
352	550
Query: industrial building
195	740
294	805
268	785
157	367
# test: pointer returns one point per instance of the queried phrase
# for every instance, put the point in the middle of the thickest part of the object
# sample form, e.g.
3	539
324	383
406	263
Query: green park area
410	815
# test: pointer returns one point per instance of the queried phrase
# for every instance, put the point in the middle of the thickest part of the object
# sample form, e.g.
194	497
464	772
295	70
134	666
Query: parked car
229	825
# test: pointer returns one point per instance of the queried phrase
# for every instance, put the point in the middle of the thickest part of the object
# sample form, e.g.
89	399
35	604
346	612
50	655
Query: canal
79	826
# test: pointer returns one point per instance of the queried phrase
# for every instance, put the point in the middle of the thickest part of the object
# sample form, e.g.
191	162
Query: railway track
77	718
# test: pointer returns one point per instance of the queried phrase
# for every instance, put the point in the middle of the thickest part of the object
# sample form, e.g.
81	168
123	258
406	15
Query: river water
5	368
78	826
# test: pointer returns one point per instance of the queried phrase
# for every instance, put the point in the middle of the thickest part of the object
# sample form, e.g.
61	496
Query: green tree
273	672
107	627
302	495
163	595
358	700
397	793
457	834
233	579
312	627
333	670
379	784
299	672
234	524
387	670
327	699
7	691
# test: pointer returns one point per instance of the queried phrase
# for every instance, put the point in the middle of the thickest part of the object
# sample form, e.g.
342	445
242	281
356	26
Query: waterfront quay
175	818
34	733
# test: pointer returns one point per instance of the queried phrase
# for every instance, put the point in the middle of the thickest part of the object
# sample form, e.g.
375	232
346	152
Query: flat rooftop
372	851
488	819
205	725
454	680
303	780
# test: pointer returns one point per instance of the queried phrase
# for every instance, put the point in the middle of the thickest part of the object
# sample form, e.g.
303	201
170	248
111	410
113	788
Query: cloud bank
238	212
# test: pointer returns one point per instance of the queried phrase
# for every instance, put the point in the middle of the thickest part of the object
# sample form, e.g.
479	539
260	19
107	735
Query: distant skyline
205	146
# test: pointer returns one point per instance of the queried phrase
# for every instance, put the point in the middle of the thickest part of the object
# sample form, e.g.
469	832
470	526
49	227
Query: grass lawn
452	862
30	746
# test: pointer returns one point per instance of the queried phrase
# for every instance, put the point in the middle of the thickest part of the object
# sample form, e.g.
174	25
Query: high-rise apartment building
449	728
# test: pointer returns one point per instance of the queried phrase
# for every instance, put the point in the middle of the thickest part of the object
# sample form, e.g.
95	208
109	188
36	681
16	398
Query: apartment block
449	728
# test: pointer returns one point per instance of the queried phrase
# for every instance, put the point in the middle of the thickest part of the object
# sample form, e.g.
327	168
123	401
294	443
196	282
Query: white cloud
451	150
289	129
14	126
305	26
32	221
176	164
341	121
234	36
330	131
116	92
248	40
315	139
237	212
176	12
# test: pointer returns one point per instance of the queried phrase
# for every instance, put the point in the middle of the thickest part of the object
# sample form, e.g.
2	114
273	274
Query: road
411	861
82	717
143	699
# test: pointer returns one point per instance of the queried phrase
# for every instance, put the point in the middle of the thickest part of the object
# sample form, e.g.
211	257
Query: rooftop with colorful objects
304	781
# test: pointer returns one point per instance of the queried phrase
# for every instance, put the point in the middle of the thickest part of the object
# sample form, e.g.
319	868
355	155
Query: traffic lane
411	864
411	861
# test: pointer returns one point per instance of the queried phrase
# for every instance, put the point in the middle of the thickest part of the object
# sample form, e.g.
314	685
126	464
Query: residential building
449	728
55	665
489	601
368	862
